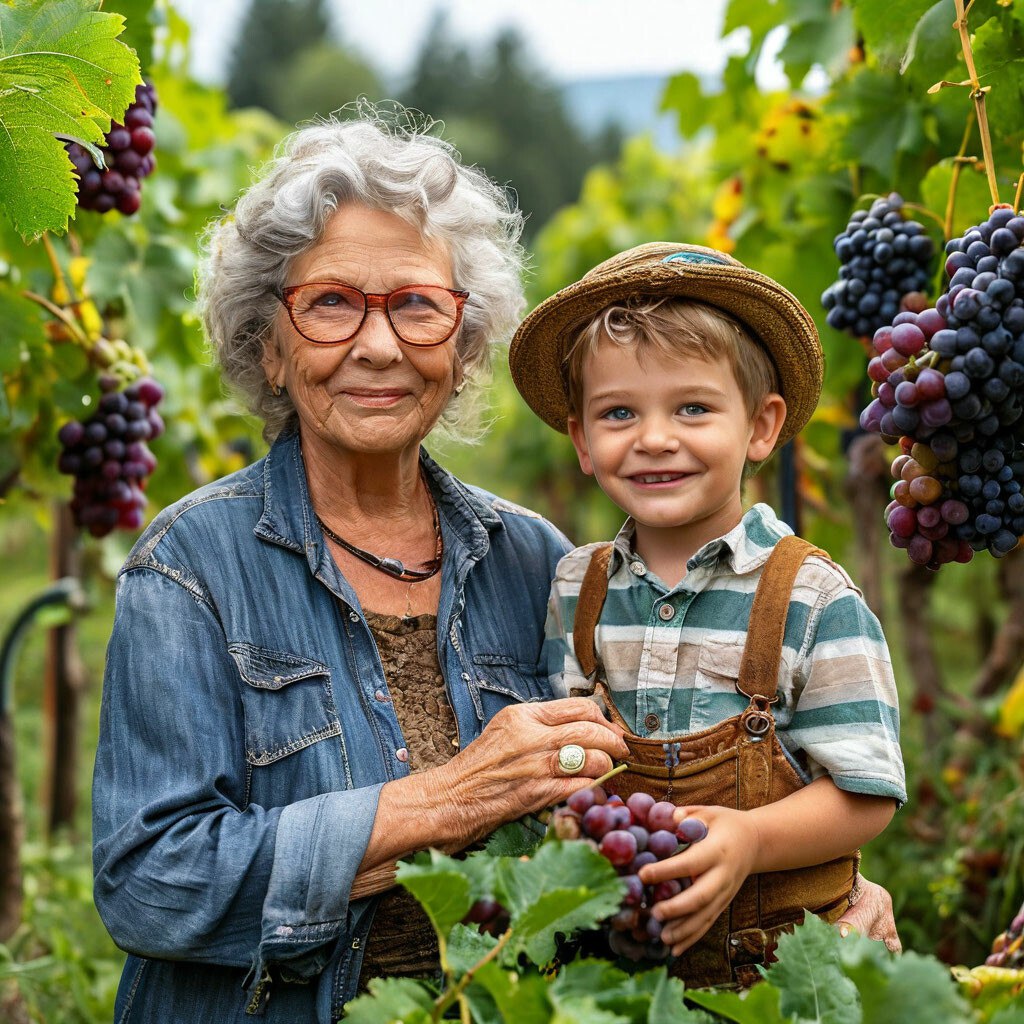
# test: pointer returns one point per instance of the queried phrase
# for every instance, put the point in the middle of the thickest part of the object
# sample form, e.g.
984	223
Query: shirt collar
745	547
288	517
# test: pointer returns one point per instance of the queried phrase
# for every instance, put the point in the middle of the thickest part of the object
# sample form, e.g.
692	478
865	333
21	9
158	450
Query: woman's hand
509	770
718	865
512	769
872	915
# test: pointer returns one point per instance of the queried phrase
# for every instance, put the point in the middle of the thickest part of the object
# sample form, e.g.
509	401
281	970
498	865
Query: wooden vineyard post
63	683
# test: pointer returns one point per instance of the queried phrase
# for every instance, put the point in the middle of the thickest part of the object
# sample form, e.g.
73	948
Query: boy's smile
667	436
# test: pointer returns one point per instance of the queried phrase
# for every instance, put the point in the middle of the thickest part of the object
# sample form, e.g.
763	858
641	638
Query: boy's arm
812	826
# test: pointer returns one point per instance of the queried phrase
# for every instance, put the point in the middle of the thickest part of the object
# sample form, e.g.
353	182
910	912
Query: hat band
693	257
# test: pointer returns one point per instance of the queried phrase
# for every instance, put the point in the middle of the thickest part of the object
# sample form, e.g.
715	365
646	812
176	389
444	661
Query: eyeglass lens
420	315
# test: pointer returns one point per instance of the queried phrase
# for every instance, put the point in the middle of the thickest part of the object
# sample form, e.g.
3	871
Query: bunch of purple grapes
128	155
885	265
1008	948
108	456
630	834
947	386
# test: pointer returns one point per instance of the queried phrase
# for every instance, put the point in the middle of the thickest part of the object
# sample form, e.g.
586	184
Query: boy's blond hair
677	327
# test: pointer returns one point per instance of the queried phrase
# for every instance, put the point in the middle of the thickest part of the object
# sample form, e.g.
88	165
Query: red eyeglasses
327	313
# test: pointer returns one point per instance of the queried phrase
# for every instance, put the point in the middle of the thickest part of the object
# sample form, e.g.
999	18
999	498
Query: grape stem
445	999
978	95
58	271
958	162
55	311
608	775
1017	194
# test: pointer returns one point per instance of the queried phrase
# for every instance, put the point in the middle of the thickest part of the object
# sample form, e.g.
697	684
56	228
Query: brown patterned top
402	941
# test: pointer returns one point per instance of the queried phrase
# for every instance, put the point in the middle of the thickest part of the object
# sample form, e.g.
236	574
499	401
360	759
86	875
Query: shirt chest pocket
286	700
718	669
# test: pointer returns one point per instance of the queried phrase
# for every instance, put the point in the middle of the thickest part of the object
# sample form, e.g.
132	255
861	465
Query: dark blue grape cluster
948	385
885	267
108	456
1008	947
128	158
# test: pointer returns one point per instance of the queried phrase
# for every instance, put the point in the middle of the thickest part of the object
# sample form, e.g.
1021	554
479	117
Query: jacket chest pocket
501	681
286	700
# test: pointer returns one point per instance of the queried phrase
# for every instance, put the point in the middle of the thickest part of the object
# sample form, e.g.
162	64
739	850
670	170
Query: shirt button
652	721
638	568
353	617
381	696
402	754
666	612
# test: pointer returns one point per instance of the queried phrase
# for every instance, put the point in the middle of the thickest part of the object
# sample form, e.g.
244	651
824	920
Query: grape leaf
62	72
810	978
439	886
391	1001
886	24
565	887
909	982
518	997
684	96
972	195
467	946
818	34
516	839
758	1006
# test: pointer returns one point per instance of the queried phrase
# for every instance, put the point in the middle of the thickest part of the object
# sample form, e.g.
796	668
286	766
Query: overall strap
593	591
759	669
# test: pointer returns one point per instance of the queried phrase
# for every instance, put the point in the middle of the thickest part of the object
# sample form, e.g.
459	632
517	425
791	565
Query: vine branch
978	95
445	999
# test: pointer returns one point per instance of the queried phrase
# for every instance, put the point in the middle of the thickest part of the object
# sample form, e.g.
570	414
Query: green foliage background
772	175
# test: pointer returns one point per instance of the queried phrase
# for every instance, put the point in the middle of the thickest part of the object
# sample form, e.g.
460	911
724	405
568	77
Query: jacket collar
288	518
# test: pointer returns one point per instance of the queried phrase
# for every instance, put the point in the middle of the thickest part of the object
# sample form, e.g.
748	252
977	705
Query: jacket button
638	568
666	612
652	721
402	754
353	617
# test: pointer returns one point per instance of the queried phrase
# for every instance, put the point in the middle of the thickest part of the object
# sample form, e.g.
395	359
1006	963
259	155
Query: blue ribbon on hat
693	257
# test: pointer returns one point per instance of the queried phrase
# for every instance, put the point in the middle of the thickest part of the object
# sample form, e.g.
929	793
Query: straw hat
771	314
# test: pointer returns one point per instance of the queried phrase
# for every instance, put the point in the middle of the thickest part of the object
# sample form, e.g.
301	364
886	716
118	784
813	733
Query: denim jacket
246	731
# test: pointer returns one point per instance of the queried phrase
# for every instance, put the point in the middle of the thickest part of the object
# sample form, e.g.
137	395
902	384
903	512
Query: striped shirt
671	656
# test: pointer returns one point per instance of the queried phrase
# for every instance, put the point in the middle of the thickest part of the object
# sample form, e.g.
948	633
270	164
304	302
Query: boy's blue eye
620	412
694	409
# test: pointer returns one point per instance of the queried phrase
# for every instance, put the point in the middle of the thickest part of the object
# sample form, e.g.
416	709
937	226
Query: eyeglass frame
371	300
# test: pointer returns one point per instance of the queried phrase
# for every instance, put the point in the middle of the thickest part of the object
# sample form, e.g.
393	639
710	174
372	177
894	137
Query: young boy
676	370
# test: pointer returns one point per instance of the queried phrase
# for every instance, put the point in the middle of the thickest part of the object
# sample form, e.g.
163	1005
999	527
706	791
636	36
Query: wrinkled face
667	437
372	393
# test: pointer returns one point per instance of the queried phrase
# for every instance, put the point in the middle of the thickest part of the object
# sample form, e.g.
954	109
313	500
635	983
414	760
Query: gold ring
571	759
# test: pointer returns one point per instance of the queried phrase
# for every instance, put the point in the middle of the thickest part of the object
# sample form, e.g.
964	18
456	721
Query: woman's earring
275	390
458	390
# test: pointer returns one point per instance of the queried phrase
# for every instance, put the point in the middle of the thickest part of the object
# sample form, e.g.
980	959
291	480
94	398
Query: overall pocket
286	700
501	681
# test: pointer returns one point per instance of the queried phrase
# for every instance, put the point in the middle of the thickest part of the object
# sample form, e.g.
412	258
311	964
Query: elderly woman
329	660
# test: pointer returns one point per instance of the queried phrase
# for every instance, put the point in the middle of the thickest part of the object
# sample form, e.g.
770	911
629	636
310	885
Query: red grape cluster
128	155
1008	948
489	916
108	456
885	263
630	834
947	386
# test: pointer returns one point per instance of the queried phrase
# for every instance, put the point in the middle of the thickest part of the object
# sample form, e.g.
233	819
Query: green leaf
886	24
810	978
565	887
972	195
758	1006
684	96
818	34
516	839
62	72
517	996
440	885
932	36
910	982
467	946
391	1001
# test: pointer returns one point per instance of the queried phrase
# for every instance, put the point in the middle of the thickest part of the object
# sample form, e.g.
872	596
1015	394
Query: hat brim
771	314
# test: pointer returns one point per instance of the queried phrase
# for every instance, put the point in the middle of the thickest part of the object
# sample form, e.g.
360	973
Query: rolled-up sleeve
846	718
186	868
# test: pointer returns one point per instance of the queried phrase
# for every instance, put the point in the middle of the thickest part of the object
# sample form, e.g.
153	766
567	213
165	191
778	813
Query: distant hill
632	102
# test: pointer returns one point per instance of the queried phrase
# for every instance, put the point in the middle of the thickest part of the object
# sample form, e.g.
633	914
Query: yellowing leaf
1011	711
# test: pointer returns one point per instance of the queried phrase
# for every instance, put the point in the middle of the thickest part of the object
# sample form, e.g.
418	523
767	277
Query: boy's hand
719	864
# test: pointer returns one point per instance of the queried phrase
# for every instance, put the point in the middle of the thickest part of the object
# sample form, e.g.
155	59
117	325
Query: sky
570	39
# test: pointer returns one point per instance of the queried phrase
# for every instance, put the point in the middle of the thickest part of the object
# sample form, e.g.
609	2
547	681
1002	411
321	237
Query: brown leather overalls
738	763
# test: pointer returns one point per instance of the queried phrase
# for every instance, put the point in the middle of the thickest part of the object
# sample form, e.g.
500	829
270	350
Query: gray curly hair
385	163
